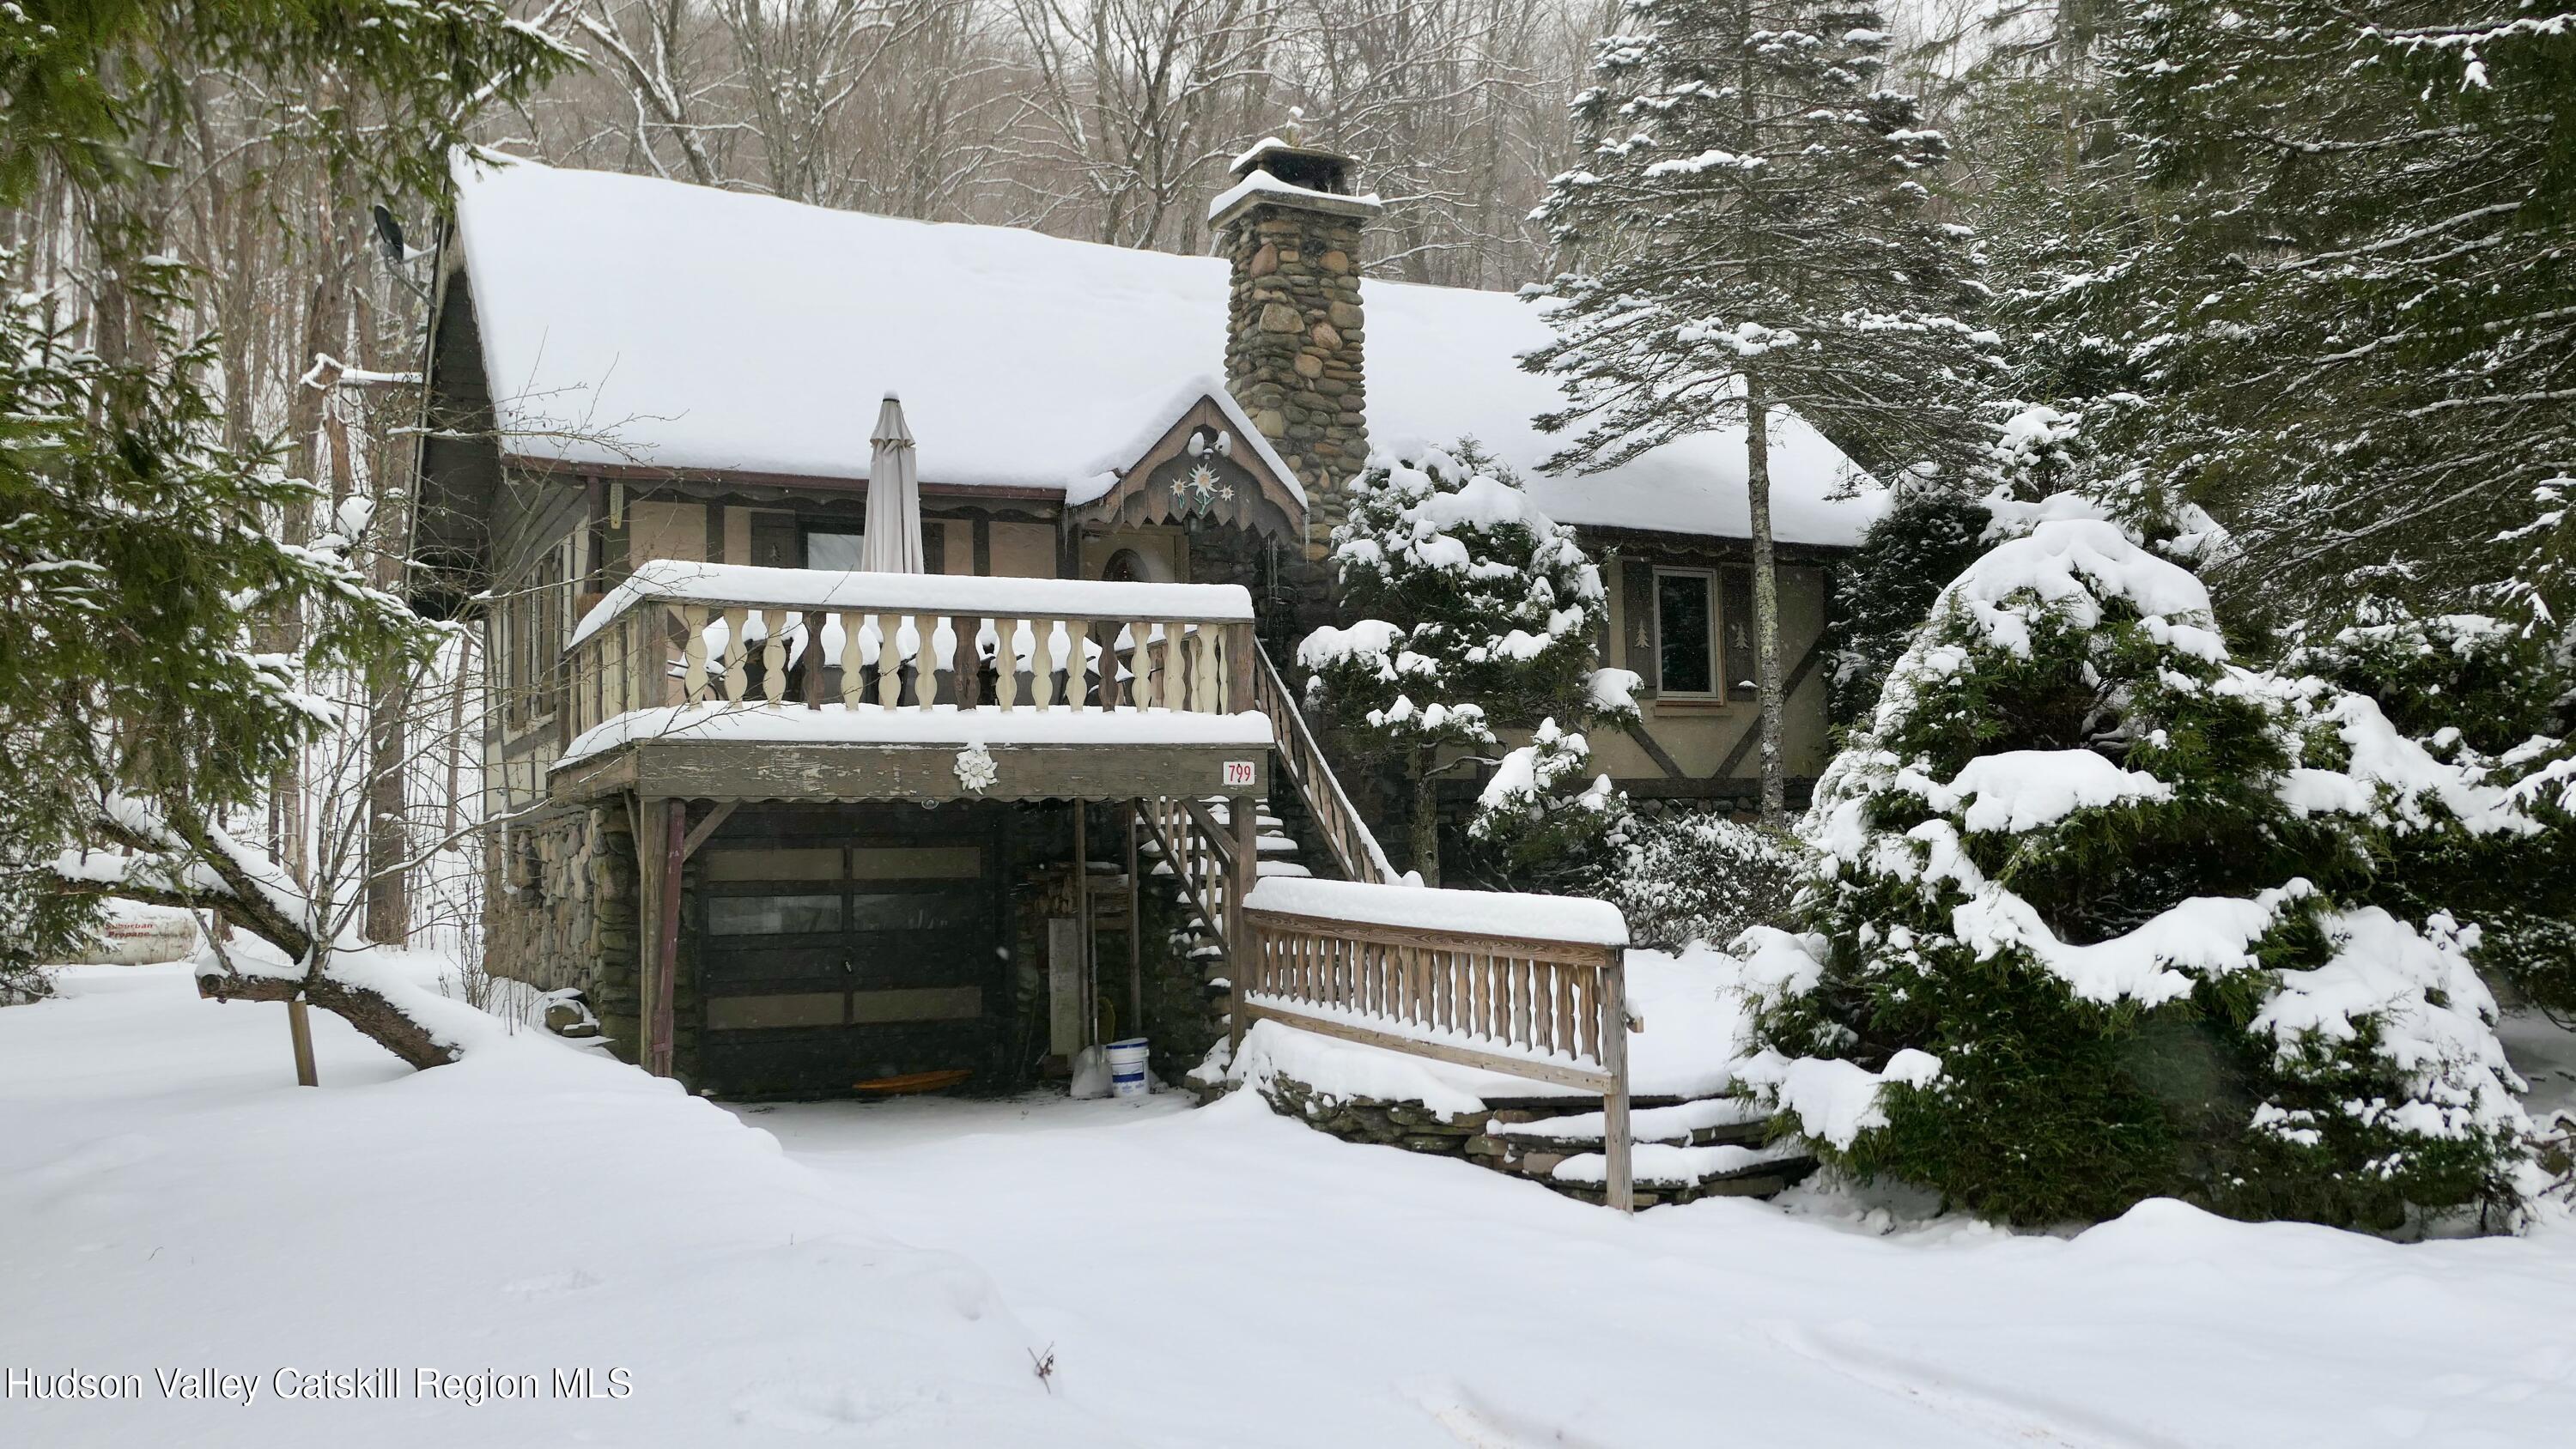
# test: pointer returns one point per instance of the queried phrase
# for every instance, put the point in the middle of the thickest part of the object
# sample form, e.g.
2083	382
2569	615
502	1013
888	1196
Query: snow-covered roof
629	320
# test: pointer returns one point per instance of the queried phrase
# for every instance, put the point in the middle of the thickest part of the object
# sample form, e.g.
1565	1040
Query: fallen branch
193	867
372	1012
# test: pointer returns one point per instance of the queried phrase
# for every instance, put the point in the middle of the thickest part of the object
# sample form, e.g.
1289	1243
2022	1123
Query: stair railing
1531	986
1189	841
1345	835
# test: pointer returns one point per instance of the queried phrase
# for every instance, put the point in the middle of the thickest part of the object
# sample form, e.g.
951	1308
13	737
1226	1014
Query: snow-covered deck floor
1203	1278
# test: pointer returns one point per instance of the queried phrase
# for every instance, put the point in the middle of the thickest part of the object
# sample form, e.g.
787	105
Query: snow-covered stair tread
1660	1164
1283	867
1673	1124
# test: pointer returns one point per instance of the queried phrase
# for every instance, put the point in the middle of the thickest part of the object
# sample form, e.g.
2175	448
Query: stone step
1705	1122
1680	1168
1661	1174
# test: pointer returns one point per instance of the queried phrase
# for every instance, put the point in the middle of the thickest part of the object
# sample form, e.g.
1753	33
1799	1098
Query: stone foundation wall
560	913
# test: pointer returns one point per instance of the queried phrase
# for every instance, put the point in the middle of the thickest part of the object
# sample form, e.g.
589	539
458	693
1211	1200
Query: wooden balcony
724	682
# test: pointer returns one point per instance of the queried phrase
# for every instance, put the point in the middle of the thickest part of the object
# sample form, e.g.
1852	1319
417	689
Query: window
531	621
829	550
772	915
1685	632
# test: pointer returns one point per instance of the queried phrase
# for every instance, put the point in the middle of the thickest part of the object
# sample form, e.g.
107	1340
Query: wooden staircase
1552	1010
1190	841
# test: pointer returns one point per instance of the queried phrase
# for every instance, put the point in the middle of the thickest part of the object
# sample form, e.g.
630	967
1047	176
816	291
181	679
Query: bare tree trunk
388	882
1766	600
456	735
1426	819
388	920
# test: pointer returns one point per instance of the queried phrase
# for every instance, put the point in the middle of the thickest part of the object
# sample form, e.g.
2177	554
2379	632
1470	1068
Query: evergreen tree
2497	703
1884	591
2357	313
1752	231
141	545
1480	613
1547	820
2098	915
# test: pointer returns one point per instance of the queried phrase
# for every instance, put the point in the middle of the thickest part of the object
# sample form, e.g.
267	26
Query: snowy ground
1202	1278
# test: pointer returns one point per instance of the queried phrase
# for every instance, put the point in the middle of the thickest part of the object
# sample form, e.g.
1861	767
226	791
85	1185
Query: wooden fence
1550	1011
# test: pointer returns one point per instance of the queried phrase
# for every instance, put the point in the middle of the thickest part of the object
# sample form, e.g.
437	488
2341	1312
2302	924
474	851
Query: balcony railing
681	633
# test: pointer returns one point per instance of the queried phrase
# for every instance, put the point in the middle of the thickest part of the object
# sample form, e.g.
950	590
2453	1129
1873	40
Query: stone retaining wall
1414	1127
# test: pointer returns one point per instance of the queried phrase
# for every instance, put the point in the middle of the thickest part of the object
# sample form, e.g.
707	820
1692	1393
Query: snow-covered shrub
2090	921
1546	820
1478	612
1699	878
2499	702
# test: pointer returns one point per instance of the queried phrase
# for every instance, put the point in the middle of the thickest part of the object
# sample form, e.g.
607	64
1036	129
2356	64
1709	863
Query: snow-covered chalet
793	827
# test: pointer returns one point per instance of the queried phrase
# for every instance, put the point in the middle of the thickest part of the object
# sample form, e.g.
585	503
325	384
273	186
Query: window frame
836	528
1711	643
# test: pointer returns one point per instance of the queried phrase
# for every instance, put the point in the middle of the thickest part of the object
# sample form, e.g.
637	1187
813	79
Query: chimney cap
1308	168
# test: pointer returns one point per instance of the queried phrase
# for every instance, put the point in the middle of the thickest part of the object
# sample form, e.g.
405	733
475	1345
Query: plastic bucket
1127	1067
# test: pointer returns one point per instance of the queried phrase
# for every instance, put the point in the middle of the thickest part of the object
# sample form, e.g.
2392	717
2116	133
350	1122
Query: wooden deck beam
748	770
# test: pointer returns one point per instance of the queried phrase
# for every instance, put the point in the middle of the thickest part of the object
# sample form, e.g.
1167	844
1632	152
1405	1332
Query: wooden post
1089	985
1619	1188
299	1028
662	978
1243	816
1135	926
1238	671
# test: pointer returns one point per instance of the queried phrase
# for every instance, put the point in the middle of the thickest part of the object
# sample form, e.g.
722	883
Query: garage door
828	961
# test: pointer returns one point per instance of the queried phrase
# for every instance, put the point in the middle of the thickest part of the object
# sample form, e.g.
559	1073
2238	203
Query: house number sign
1238	772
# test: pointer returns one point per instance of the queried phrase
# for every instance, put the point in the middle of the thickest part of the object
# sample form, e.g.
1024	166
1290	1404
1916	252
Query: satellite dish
389	234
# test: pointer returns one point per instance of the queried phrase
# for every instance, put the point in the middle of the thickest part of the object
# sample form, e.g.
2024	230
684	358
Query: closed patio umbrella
893	541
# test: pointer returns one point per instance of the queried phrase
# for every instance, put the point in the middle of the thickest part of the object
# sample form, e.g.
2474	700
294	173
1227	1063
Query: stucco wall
1698	734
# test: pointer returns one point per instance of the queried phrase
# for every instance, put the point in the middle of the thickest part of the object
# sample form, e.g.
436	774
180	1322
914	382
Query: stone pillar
1294	328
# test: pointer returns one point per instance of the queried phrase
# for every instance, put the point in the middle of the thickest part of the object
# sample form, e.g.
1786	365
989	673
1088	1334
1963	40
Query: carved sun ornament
975	769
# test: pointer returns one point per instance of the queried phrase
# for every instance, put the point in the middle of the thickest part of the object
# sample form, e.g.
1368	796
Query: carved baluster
1172	667
809	659
1041	662
1006	662
693	652
1078	678
871	655
773	653
971	631
921	682
735	676
1203	676
943	661
890	660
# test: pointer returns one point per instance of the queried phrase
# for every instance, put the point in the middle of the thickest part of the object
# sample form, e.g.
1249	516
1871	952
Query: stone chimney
1291	228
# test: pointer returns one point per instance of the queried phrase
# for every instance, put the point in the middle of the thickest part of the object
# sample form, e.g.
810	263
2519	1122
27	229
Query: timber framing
1256	497
1697	550
752	770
